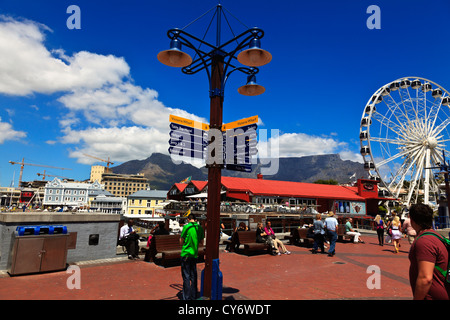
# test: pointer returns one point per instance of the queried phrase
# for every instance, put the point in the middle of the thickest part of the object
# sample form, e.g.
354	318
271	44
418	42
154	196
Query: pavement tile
299	276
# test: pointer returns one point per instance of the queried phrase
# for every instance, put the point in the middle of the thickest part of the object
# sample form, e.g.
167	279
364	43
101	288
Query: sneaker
278	254
287	252
130	257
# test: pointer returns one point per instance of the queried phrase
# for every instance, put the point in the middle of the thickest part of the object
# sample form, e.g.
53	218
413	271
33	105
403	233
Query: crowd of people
429	256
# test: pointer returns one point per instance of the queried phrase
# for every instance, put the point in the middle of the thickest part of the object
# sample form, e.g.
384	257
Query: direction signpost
240	144
188	138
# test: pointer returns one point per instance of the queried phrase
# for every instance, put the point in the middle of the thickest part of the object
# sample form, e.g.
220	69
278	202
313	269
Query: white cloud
107	115
301	144
350	155
119	144
27	66
121	104
8	133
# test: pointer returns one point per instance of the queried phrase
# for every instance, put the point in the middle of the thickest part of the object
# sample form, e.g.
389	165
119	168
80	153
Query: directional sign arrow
189	130
238	167
186	152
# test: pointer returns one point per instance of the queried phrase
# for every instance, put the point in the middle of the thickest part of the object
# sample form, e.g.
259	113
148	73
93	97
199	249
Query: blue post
217	281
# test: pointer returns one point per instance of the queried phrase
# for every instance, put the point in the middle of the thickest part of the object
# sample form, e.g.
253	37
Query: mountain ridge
162	173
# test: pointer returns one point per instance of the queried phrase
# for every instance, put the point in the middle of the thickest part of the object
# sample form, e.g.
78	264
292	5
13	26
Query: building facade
145	202
108	204
69	194
122	185
361	199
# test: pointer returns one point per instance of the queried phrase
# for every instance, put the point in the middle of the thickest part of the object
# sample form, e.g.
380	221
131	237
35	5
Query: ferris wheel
404	133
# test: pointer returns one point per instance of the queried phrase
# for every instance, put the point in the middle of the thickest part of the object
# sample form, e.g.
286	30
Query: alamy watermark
374	20
230	147
374	280
73	281
74	20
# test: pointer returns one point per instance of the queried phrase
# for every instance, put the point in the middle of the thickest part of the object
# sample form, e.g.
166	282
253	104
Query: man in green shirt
191	237
349	230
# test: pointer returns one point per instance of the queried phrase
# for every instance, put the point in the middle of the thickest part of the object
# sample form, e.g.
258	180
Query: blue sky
100	90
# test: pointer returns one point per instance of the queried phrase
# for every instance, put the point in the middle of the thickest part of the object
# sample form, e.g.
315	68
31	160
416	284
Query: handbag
389	231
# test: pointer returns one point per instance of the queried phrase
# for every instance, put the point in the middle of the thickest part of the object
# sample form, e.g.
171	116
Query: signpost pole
214	177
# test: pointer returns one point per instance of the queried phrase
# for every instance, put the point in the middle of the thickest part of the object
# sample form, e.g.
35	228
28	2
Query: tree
329	181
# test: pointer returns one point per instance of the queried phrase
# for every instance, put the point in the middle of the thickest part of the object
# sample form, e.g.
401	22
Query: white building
109	204
69	194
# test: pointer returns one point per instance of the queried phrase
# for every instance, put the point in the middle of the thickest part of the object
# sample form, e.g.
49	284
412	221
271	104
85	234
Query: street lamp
218	62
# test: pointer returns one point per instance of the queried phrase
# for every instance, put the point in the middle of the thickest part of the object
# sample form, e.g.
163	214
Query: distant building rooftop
162	194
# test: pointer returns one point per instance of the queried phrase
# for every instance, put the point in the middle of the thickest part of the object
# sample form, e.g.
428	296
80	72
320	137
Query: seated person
242	227
159	229
349	230
130	239
278	245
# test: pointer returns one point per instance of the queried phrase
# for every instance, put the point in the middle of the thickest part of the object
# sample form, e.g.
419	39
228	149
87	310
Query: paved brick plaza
299	276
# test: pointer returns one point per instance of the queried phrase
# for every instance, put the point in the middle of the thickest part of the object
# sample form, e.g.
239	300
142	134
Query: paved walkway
299	276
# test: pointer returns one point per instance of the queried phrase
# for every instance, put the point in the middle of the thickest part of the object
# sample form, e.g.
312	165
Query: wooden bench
299	236
303	235
169	247
343	235
232	243
248	240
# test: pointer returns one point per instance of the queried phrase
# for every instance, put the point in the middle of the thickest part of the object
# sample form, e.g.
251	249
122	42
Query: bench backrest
341	229
302	232
294	233
166	242
246	237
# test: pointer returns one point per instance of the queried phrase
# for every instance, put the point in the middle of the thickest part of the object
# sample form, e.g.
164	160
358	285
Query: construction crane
49	175
108	162
23	164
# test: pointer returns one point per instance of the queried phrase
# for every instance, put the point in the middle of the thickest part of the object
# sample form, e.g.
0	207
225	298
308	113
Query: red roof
181	186
263	187
199	184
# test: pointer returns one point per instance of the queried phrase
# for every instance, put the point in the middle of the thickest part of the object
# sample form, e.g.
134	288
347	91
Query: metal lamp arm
189	44
246	70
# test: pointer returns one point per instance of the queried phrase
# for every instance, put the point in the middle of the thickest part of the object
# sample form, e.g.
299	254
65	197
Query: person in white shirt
130	239
331	225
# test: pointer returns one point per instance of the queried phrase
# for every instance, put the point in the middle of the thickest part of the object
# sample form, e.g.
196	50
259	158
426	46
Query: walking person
319	233
191	237
380	225
396	233
427	255
331	225
408	229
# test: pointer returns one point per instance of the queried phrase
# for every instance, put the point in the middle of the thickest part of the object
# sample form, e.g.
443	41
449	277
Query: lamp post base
216	281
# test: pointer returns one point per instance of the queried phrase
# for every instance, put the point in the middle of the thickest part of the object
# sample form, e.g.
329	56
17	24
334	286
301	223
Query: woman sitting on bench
277	242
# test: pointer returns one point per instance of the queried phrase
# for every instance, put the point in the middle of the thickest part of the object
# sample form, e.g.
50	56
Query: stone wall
86	225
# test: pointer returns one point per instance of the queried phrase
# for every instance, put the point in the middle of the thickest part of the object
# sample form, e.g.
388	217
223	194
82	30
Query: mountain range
162	173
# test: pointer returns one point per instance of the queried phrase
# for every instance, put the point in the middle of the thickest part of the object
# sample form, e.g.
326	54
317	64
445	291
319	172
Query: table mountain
163	173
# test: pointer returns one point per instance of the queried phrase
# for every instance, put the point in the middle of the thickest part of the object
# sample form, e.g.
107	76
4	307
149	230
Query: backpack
446	242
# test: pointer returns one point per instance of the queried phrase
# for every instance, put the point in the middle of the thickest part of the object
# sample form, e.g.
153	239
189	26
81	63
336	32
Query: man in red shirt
426	252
